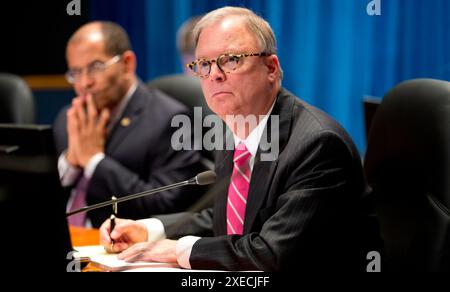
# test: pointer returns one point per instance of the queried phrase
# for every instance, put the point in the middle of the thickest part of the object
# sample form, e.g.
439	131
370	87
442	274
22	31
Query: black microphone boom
204	178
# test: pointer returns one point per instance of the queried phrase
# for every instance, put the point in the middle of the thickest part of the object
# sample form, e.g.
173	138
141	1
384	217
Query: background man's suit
302	210
139	157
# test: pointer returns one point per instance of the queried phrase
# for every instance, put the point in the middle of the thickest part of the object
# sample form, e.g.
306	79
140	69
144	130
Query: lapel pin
125	122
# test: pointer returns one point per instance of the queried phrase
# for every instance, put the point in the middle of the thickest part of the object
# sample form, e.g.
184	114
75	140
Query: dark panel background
34	35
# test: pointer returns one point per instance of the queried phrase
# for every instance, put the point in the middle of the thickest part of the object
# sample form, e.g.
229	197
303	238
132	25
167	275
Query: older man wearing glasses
115	138
299	211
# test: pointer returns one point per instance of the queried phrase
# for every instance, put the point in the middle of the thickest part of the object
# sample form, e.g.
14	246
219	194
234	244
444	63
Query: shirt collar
252	141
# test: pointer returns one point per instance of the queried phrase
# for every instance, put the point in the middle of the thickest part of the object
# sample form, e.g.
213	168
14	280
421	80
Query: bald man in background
115	137
186	42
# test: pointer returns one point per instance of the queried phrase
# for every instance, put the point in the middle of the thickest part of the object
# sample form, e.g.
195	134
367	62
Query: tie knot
241	153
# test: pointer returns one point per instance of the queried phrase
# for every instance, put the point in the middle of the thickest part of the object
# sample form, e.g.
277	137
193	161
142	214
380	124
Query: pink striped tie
238	190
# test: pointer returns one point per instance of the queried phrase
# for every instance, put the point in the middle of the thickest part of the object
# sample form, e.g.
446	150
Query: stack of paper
109	262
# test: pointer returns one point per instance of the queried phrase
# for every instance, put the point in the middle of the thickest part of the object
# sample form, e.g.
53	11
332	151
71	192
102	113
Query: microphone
201	179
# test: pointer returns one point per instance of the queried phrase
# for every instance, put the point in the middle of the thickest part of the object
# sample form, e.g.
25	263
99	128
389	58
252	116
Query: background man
115	138
186	42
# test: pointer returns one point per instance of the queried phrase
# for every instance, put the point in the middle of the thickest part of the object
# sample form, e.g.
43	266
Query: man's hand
125	234
72	137
86	130
163	251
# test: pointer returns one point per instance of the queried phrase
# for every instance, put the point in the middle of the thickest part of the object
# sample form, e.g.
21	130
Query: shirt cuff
92	164
155	229
184	249
68	174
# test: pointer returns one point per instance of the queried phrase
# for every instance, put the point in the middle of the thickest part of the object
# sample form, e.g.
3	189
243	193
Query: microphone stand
192	181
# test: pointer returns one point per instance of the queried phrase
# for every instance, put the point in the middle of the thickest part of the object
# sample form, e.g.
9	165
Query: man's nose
85	80
216	73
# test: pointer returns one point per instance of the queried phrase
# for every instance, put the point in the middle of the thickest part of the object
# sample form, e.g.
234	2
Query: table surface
84	236
81	236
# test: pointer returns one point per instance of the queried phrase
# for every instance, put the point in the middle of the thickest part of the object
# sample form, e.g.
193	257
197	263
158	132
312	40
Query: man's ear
273	67
129	59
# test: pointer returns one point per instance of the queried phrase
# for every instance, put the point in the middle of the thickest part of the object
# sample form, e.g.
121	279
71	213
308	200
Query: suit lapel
262	175
263	171
127	121
224	169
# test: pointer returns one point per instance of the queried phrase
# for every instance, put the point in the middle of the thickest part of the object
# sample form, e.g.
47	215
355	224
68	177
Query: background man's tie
79	201
238	190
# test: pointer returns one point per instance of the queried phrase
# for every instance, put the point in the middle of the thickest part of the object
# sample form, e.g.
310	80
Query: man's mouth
219	93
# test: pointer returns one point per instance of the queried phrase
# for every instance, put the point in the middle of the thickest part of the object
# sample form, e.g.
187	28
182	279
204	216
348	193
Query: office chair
184	88
188	91
407	165
16	100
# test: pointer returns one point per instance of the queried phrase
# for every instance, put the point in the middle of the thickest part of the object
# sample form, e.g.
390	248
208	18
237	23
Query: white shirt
68	173
184	245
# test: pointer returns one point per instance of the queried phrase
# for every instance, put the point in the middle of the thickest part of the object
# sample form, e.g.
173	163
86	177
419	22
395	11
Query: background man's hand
86	130
125	234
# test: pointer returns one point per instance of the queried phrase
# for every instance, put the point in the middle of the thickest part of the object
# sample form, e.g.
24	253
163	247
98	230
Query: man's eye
96	66
75	72
230	60
233	59
203	64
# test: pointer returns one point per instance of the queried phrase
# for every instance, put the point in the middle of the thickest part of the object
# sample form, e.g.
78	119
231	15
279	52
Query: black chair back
188	91
407	165
16	100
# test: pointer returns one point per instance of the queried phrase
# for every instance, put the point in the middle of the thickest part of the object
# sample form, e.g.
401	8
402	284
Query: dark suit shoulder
311	122
312	131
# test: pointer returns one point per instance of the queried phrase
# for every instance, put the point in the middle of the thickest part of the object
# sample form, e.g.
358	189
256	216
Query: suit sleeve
314	196
185	223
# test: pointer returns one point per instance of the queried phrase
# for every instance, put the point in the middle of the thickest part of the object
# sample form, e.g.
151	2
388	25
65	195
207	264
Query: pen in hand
113	223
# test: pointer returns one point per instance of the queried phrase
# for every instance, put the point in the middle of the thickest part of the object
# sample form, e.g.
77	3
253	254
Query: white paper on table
97	255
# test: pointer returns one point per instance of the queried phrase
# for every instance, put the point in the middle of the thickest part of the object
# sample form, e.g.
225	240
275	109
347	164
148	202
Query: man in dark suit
115	138
299	210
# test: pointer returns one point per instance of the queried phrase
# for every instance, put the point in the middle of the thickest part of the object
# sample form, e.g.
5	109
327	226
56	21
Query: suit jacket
303	209
139	157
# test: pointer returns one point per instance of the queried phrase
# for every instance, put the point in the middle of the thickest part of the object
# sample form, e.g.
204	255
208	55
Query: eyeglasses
227	63
92	70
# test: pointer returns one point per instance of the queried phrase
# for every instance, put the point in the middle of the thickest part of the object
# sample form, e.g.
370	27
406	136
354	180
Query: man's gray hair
261	28
256	24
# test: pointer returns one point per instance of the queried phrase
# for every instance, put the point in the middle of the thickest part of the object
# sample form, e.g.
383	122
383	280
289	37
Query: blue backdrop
333	53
